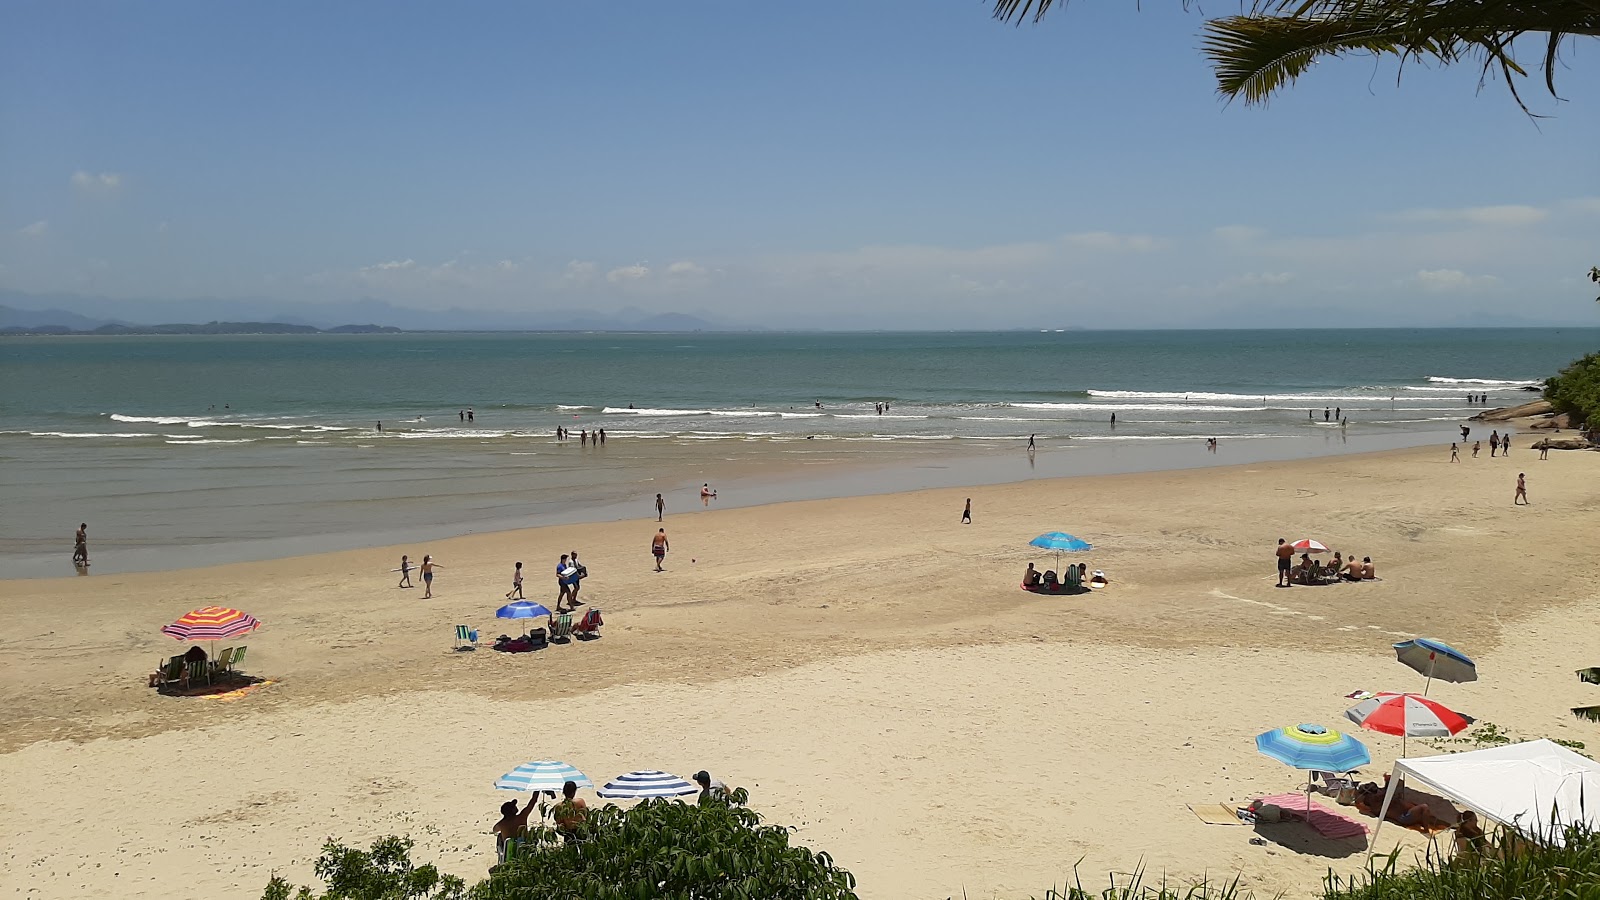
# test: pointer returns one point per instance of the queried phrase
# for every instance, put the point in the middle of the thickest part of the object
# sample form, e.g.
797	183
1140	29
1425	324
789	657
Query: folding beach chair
199	673
224	663
1074	580
466	638
172	672
561	632
238	657
589	628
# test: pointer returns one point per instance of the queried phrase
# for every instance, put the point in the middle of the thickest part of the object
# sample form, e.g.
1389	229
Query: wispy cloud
390	266
686	269
1452	281
1238	234
1515	215
1105	240
96	181
37	229
623	274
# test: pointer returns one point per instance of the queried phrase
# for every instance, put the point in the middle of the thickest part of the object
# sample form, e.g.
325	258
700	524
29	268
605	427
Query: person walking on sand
1476	446
658	547
579	573
80	545
564	573
1544	449
1285	563
966	513
428	565
1455	456
1505	445
1494	442
516	583
1030	442
405	571
1521	499
661	507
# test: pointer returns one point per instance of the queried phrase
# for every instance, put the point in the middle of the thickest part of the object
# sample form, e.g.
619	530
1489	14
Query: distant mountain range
81	313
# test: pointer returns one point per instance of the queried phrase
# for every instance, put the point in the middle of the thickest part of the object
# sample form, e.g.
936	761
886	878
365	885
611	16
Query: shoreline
761	483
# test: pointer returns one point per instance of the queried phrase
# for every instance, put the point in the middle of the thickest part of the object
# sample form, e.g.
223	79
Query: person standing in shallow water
966	513
80	545
661	507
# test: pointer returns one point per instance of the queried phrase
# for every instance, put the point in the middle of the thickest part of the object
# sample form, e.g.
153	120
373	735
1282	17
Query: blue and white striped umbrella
542	775
1436	659
522	609
646	783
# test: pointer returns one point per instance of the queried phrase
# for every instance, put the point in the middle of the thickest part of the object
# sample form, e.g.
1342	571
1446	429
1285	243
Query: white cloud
96	181
686	269
390	266
1589	205
506	265
1514	215
1441	281
37	229
628	273
579	271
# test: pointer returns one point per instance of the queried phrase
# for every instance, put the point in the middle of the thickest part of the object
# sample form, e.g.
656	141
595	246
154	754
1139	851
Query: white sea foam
624	411
218	441
1191	396
874	416
155	420
86	434
561	406
1442	380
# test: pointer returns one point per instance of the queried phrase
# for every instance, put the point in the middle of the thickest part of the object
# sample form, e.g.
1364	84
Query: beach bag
1268	813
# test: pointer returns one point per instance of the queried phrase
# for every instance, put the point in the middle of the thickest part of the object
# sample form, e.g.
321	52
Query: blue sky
837	164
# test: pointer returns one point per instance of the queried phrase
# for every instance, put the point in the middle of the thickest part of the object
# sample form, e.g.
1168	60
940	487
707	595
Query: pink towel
1327	822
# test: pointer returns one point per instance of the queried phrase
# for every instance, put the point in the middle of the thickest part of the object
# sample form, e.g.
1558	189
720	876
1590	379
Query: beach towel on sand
1215	813
1327	822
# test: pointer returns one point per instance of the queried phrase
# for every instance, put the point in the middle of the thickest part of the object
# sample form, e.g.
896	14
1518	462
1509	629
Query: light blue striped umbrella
646	783
542	775
1314	747
1060	542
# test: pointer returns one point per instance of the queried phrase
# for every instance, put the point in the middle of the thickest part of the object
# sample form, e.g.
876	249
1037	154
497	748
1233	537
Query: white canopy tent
1537	787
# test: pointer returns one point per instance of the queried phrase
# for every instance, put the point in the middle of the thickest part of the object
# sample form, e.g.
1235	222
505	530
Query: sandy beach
866	666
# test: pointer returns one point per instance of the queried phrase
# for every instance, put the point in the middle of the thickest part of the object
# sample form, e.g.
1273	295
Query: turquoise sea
186	449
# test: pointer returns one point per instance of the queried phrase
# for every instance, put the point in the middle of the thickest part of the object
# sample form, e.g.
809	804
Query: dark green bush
1576	390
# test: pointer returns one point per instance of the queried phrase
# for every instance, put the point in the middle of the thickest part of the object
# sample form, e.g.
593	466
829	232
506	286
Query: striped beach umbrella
542	775
1407	715
522	609
211	623
646	783
1313	747
1436	659
1307	545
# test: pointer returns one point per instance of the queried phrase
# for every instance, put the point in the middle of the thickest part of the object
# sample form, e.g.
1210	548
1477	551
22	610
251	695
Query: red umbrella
1408	716
1307	545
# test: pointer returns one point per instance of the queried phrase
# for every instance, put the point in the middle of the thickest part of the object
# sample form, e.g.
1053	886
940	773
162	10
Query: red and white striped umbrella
1407	715
1307	545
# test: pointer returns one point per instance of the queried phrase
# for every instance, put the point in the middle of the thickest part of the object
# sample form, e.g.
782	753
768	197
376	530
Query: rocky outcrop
1555	422
1536	408
1562	443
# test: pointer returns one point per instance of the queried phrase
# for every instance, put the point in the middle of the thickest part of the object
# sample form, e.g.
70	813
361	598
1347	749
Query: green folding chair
466	638
238	657
561	631
199	673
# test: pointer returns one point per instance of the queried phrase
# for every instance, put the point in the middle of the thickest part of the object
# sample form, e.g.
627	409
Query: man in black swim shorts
1285	563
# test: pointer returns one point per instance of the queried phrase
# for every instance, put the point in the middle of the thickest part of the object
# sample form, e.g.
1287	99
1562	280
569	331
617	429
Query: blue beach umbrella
646	783
522	609
1060	542
1436	659
1314	747
541	775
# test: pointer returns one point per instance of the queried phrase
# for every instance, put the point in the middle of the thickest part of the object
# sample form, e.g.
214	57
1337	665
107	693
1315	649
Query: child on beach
405	571
516	583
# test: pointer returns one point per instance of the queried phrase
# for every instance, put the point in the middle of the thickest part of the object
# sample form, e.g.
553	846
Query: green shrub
659	848
1576	390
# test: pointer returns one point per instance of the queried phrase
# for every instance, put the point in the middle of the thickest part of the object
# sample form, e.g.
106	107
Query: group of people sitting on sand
1313	571
1073	578
1410	812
